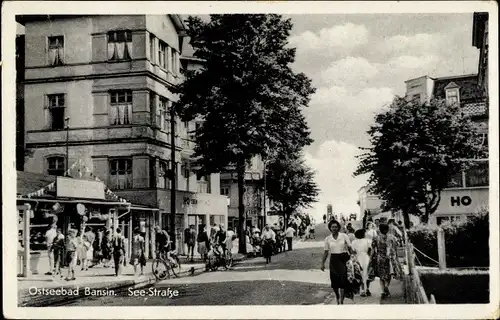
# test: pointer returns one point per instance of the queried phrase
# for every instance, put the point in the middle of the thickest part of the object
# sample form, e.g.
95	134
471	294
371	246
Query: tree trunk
240	171
285	220
406	218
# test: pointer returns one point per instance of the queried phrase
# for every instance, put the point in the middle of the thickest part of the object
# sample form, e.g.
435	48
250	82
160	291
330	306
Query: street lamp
66	120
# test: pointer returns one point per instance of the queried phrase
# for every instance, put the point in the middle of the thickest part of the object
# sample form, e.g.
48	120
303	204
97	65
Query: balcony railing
474	109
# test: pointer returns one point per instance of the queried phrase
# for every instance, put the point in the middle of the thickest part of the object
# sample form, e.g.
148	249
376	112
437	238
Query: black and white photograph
293	159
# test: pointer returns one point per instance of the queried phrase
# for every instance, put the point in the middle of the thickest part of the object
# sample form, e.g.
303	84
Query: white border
10	9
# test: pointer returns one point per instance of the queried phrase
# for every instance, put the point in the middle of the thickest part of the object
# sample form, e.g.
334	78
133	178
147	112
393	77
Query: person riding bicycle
220	238
163	244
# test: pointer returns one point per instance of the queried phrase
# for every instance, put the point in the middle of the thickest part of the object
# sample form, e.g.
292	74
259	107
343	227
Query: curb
27	300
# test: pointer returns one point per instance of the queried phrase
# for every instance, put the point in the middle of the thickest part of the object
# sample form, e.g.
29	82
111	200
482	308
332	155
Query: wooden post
441	248
26	240
130	235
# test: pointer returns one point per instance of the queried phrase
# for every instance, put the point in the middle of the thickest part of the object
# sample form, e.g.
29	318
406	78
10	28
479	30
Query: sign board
463	201
83	189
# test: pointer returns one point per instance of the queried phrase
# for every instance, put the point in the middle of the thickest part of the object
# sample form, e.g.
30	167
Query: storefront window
216	220
478	175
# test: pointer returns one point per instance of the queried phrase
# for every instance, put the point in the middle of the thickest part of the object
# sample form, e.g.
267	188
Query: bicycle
218	259
162	265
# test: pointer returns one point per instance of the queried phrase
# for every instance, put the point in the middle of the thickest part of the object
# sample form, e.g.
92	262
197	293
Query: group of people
85	248
357	257
219	241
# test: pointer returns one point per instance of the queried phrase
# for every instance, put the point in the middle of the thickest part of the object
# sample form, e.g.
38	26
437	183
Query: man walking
289	237
50	235
118	251
190	241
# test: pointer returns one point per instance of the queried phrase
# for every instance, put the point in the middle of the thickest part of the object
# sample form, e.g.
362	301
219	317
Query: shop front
457	204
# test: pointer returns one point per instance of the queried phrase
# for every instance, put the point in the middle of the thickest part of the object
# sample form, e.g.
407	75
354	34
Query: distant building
368	201
467	192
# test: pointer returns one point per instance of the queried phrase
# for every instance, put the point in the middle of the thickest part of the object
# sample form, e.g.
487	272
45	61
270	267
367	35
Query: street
292	278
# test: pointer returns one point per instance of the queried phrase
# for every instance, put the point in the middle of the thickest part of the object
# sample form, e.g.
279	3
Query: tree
247	96
416	149
290	185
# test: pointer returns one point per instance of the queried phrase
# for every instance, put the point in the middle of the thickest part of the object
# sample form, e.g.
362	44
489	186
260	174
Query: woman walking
337	246
363	248
72	245
268	239
385	248
138	248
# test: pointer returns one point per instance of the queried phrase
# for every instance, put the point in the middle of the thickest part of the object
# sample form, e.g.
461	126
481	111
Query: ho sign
460	201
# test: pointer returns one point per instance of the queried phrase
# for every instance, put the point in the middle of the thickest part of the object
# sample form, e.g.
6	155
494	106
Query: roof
28	182
468	86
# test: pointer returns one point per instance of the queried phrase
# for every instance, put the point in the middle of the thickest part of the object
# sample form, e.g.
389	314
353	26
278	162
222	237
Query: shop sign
84	189
465	201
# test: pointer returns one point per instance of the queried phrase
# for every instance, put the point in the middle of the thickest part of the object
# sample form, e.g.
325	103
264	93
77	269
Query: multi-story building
253	197
467	192
102	86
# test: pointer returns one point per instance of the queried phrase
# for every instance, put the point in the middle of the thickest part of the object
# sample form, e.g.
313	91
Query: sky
358	63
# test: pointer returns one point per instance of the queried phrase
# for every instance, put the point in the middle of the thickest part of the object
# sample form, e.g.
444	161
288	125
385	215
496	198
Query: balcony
474	109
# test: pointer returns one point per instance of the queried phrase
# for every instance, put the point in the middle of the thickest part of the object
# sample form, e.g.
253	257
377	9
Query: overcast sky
358	63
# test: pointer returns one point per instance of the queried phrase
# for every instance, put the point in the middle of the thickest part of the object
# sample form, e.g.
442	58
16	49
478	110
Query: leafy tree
247	96
290	185
416	149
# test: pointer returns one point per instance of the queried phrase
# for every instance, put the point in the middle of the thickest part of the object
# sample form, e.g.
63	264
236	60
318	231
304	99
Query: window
119	45
224	191
56	50
56	109
152	173
121	107
173	62
56	166
162	115
452	96
120	171
163	175
478	175
186	173
152	51
203	183
162	54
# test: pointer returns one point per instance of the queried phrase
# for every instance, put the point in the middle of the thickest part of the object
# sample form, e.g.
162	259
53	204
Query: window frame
59	107
226	191
129	170
49	47
453	93
114	97
167	182
127	34
56	157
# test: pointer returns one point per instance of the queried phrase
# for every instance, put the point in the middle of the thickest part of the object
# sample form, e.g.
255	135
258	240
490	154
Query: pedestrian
137	256
338	247
98	245
72	245
90	236
58	250
370	232
268	240
363	248
385	249
190	241
289	237
350	232
82	251
203	243
50	235
107	248
118	251
312	230
230	237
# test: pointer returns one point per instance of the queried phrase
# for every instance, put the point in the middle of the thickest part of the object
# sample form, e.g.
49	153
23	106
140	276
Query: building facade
253	195
368	202
99	89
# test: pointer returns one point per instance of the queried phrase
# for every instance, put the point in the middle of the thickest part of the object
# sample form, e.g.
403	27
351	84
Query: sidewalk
396	289
94	278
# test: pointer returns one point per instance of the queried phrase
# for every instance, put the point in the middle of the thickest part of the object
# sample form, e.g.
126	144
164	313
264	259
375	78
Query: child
71	257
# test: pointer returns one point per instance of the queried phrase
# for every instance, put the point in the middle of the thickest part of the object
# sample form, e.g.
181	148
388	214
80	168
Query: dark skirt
267	249
338	271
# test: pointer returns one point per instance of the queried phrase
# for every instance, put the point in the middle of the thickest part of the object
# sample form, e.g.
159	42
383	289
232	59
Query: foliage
246	95
467	243
290	185
416	149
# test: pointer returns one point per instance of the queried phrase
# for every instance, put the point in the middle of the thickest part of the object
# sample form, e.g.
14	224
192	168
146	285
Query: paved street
291	278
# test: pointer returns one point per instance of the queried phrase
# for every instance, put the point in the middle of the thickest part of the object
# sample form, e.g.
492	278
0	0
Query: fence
414	290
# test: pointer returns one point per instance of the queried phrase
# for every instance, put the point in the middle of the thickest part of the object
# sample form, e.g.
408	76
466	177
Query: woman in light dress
363	248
